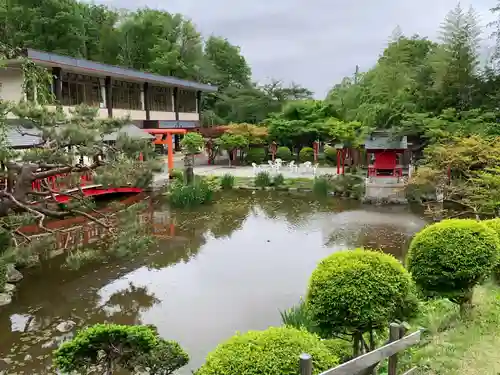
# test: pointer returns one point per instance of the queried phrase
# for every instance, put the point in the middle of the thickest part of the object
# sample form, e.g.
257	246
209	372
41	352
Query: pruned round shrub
356	291
274	351
449	258
494	224
284	153
255	155
330	155
306	154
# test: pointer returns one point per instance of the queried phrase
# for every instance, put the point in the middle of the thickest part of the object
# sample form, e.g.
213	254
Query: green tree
232	142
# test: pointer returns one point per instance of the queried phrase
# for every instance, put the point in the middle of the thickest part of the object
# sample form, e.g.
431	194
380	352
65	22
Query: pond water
228	267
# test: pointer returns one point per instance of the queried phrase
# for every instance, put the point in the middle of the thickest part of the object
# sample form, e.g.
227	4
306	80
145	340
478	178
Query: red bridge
87	186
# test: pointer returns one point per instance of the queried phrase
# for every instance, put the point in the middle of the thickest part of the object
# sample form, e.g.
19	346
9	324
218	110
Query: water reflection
223	268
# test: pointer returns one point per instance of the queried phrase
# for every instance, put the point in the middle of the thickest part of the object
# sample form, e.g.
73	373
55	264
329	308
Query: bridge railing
366	364
60	181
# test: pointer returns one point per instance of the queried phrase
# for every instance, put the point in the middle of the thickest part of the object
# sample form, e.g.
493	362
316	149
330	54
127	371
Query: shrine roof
383	141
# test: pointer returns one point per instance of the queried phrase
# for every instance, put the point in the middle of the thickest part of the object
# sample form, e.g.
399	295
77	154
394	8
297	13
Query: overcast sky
312	42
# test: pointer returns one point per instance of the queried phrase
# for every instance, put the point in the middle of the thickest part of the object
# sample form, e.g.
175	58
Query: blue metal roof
172	124
57	60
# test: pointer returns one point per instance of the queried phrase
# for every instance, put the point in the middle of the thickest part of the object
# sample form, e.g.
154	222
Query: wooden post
305	364
394	332
170	153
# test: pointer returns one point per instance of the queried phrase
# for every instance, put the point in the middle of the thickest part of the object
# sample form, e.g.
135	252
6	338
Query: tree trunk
188	169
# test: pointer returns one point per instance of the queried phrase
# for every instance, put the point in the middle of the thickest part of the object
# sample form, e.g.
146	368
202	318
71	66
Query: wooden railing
366	363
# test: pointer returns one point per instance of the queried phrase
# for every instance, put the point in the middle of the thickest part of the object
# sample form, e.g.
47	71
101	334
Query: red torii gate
161	140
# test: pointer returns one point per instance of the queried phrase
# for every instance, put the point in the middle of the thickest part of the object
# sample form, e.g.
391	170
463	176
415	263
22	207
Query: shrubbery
3	275
255	155
449	258
227	181
190	195
306	154
331	155
284	153
113	347
357	291
263	179
321	186
278	180
494	224
176	174
274	351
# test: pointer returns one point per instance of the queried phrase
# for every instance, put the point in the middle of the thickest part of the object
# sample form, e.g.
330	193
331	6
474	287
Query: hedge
359	290
306	154
494	224
284	153
449	258
255	155
274	351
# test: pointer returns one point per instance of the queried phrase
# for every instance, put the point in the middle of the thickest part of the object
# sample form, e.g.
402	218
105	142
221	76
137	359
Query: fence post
394	332
306	364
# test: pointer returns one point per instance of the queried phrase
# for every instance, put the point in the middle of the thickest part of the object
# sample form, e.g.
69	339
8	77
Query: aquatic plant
299	317
278	180
113	347
263	179
190	195
76	259
227	181
321	186
447	259
359	291
274	351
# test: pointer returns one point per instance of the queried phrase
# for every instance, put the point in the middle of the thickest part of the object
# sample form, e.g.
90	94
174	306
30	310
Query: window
126	95
187	101
80	89
160	99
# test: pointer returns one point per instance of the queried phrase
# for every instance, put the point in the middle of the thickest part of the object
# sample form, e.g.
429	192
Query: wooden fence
366	363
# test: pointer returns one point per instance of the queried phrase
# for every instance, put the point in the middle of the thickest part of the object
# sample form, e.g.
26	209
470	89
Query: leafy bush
176	174
190	195
192	143
331	155
263	179
341	348
357	291
284	153
494	224
321	186
299	317
278	180
3	276
349	185
113	347
227	181
306	154
449	258
255	155
274	351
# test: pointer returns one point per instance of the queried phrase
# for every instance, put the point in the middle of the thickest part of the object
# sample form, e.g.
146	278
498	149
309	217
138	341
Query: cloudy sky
312	42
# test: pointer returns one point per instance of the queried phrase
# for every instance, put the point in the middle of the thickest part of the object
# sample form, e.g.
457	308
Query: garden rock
13	275
66	326
9	289
5	299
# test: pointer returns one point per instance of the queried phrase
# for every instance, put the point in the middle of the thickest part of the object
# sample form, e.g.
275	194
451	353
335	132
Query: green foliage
284	153
113	347
255	155
321	186
176	174
192	195
263	179
331	155
299	317
348	185
449	258
192	143
357	291
278	180
494	224
274	351
306	154
227	181
3	275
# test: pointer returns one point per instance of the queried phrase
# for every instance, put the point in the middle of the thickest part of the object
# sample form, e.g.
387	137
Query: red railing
60	181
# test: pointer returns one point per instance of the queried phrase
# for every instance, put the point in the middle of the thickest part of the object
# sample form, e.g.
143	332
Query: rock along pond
231	266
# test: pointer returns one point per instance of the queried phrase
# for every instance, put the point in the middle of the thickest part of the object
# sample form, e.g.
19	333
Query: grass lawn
470	345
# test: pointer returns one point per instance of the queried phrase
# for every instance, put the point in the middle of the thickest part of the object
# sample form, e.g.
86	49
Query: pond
228	267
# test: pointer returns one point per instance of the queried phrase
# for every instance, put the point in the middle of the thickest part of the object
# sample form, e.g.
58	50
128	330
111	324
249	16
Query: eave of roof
58	60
